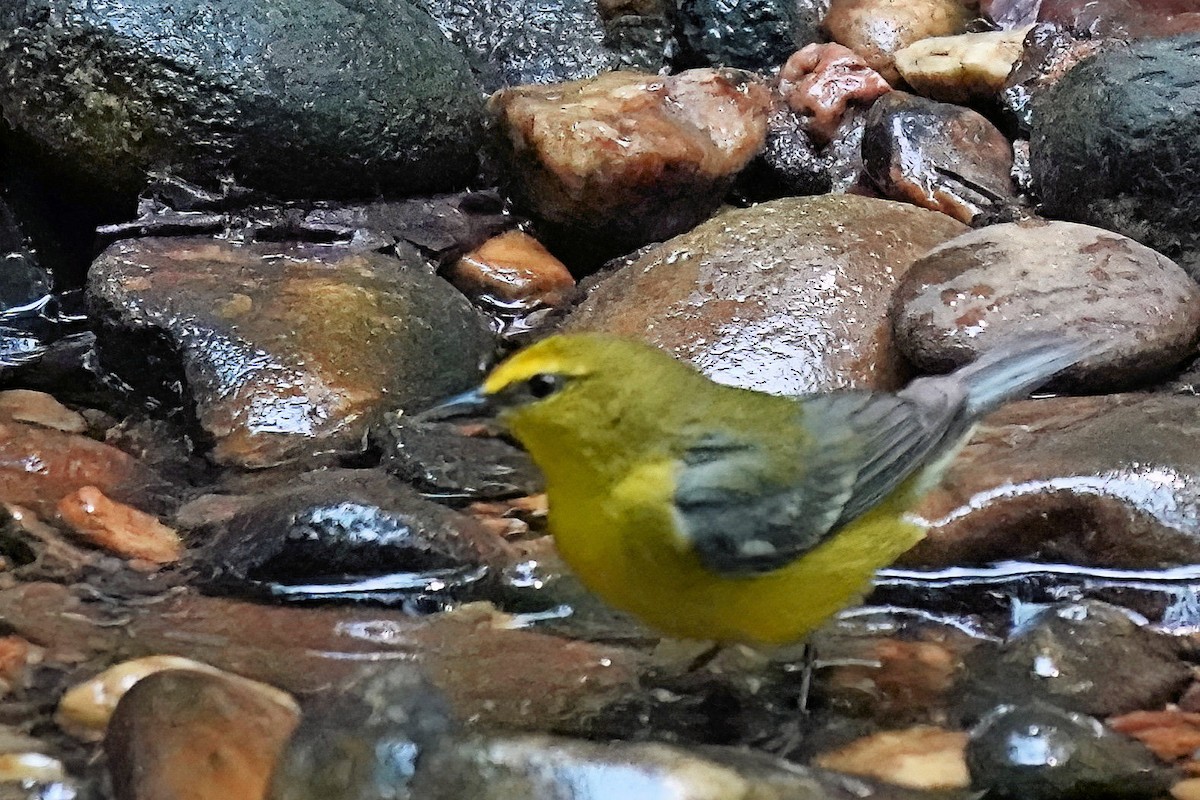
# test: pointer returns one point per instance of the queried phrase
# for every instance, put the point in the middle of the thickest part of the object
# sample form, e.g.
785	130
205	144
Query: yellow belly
625	549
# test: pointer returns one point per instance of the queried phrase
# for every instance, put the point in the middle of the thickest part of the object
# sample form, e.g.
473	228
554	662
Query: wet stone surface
297	98
283	350
786	297
1010	280
1095	481
1112	145
876	29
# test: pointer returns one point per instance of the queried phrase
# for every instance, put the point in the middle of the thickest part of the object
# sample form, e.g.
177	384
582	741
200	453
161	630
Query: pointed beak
468	404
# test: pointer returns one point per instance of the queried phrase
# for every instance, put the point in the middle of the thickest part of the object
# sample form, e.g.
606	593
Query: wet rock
789	165
16	655
1039	752
820	81
787	297
938	156
349	533
512	273
1006	281
1049	53
338	104
1113	145
30	768
1100	481
285	350
517	42
39	408
86	709
119	528
40	466
748	34
1121	18
955	69
1010	14
439	460
367	741
1088	657
548	768
876	29
613	163
196	735
920	758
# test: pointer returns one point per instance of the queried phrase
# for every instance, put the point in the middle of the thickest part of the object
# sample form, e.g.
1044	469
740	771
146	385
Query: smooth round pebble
1018	279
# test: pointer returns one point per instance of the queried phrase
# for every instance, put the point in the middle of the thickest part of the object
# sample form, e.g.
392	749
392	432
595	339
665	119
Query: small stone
786	297
15	655
747	34
64	463
1039	752
30	768
1088	657
938	156
199	735
512	272
1006	281
39	408
876	29
119	528
1173	735
891	679
956	69
1187	789
820	81
612	163
1113	145
84	711
922	757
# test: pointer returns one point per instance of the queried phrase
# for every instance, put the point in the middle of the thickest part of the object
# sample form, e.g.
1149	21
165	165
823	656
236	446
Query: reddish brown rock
938	156
876	29
1122	18
1099	481
786	297
195	735
284	350
15	655
512	272
820	81
1006	281
40	466
1172	735
627	158
119	528
39	408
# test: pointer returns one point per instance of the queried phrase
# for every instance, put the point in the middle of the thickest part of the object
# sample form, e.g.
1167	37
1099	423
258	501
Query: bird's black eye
543	385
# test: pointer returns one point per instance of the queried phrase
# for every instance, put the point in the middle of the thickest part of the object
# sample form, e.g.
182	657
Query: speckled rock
196	735
1099	481
283	350
939	156
876	29
1009	280
1114	145
612	163
747	34
295	97
787	297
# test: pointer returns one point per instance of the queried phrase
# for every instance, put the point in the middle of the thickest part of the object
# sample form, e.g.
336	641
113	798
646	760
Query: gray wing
740	520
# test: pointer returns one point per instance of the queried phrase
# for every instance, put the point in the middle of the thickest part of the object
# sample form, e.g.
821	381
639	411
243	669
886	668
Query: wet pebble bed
245	243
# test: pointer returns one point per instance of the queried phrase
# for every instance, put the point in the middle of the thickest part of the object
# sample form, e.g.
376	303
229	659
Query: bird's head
576	392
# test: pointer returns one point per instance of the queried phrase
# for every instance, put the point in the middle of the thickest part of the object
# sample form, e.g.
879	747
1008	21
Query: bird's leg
808	662
704	658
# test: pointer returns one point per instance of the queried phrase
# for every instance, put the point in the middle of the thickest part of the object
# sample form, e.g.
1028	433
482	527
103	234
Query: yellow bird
724	514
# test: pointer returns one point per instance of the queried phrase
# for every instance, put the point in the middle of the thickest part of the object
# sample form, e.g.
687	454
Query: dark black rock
1114	145
347	534
1039	752
1088	657
788	166
438	460
748	34
515	42
296	97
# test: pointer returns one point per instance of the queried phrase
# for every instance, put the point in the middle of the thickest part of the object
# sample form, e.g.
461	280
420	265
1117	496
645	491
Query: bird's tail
1016	368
